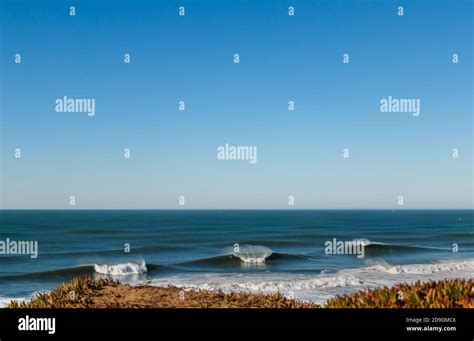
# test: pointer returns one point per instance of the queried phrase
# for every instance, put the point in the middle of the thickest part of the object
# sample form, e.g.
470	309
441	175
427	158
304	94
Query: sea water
236	250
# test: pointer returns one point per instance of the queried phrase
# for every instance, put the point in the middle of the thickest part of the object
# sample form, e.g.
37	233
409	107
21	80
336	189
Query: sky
282	58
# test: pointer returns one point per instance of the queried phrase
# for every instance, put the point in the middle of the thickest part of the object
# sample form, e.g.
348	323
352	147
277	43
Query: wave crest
253	253
121	269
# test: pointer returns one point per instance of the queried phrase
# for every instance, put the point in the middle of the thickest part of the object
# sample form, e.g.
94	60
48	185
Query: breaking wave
121	269
253	253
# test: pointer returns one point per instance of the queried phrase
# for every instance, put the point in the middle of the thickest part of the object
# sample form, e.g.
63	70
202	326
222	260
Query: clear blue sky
191	58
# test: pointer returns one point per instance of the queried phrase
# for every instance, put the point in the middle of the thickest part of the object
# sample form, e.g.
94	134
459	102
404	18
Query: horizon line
237	209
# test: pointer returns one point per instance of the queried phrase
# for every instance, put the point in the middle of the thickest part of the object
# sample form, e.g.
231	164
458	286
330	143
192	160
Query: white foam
304	284
321	287
4	301
253	253
120	269
432	268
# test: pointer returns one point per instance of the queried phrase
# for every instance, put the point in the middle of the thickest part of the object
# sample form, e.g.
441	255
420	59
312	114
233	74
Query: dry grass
105	293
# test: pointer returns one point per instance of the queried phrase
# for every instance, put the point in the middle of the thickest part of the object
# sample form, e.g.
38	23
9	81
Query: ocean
236	250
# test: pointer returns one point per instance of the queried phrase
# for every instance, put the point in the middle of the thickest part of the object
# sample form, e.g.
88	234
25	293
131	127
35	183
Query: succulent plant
448	293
